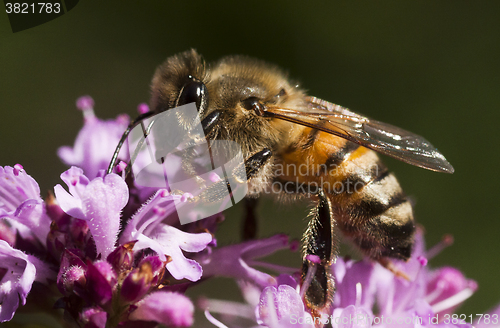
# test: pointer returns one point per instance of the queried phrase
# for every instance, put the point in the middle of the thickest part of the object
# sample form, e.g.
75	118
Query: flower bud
137	283
94	317
74	276
122	257
101	279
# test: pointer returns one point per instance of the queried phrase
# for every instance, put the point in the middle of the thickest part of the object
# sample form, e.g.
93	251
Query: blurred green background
431	67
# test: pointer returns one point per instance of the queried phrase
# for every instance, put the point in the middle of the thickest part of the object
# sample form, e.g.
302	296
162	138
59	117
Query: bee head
180	80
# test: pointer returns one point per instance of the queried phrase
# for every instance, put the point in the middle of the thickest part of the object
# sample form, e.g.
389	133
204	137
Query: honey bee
278	128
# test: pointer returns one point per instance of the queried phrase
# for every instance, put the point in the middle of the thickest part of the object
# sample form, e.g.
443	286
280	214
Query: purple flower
171	309
147	229
101	280
420	301
95	142
94	317
282	307
268	297
73	277
429	294
123	259
138	282
172	241
446	289
415	302
21	204
236	261
72	271
348	274
18	271
98	202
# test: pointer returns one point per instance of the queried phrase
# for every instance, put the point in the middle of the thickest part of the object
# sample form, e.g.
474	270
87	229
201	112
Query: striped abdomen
368	204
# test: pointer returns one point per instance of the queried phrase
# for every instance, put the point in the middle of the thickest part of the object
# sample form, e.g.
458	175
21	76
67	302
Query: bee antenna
125	134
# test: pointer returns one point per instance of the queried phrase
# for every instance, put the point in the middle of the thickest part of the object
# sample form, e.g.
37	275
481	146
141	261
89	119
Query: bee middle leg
250	220
252	167
210	122
319	240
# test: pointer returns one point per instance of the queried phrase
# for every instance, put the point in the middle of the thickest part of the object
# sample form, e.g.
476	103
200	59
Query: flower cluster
110	253
417	297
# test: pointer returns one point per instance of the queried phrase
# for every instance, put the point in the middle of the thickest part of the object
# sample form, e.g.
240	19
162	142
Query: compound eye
281	93
253	103
193	91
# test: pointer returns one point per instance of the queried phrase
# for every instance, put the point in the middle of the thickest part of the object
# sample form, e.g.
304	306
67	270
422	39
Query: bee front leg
208	124
254	163
210	121
241	174
319	241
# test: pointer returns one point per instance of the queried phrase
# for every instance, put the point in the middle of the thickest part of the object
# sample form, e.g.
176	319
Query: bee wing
381	137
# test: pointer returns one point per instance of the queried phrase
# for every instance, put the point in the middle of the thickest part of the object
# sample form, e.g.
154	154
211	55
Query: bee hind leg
320	242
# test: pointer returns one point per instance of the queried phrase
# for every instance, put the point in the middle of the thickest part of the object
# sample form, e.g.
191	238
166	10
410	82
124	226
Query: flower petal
167	240
444	284
282	307
94	317
356	272
99	202
69	204
102	202
152	213
353	317
15	187
100	289
170	309
21	204
17	281
236	260
94	144
75	180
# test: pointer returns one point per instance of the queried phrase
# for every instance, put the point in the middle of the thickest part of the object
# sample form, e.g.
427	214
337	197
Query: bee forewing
403	145
381	137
